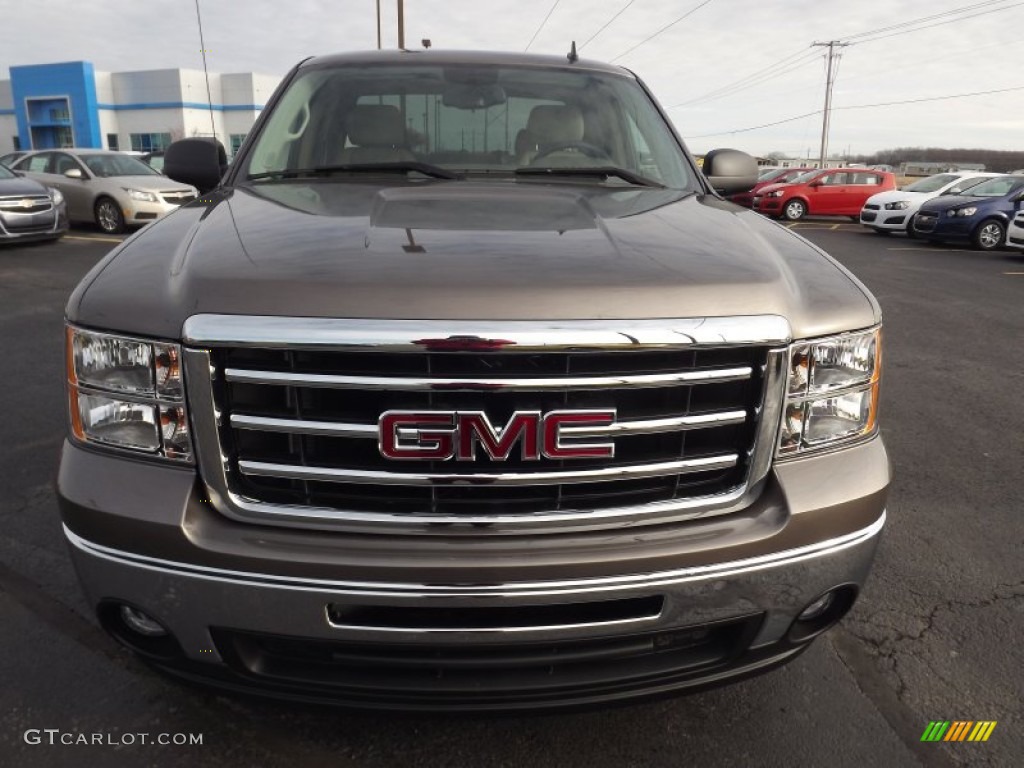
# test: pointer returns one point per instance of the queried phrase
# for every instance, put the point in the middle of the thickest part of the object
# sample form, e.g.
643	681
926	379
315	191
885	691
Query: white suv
893	211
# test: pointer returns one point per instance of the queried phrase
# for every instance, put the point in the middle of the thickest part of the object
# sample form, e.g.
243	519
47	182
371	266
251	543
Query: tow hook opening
822	613
138	630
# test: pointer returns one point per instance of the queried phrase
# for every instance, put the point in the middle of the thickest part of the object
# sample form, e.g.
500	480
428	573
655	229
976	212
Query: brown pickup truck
462	388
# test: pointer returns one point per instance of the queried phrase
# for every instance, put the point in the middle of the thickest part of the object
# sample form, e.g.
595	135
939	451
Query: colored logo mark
958	730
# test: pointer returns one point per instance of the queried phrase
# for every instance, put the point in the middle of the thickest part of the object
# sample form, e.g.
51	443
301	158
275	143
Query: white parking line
934	250
95	239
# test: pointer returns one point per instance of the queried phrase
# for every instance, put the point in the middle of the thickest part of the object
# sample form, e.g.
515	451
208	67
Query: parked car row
894	211
113	189
980	215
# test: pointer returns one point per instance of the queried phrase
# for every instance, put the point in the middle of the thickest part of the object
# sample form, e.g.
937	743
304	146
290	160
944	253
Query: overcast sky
720	43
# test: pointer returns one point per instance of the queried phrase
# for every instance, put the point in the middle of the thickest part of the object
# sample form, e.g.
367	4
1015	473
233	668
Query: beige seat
551	125
377	135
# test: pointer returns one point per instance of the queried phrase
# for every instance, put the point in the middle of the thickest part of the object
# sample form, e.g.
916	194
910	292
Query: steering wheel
590	150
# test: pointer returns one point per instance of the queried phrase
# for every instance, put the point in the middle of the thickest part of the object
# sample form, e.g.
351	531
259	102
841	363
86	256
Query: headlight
776	193
832	394
141	195
899	205
127	393
969	211
56	196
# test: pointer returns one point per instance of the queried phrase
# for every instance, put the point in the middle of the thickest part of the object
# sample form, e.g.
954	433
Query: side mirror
74	173
730	171
200	162
816	183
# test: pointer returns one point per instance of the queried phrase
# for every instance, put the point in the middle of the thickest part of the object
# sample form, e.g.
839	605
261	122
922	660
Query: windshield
804	177
473	120
1004	185
5	173
770	173
109	164
932	183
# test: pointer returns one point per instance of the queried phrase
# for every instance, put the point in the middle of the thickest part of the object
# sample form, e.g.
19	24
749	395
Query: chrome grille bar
332	474
414	384
369	431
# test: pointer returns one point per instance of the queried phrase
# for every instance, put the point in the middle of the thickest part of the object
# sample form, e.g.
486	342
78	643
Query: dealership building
71	104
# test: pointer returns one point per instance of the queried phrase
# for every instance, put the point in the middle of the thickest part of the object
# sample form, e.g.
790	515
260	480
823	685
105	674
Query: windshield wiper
401	166
604	171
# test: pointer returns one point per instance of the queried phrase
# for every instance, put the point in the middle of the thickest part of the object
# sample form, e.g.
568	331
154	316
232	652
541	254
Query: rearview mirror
74	173
473	96
730	171
200	162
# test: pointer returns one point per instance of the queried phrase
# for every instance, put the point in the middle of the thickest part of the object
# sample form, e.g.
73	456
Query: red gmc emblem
443	435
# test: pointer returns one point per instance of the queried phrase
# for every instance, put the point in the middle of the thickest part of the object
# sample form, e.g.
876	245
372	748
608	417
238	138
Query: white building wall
8	123
165	86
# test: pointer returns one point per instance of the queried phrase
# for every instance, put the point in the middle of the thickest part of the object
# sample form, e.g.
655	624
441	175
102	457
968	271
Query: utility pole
378	25
401	25
829	80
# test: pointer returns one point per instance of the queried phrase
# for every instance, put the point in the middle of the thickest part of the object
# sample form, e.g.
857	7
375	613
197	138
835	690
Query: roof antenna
572	57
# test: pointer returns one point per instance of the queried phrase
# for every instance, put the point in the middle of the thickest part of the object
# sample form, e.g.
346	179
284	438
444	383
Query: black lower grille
482	671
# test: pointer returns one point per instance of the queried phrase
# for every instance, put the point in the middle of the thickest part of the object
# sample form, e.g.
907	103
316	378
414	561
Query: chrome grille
294	423
177	198
16	204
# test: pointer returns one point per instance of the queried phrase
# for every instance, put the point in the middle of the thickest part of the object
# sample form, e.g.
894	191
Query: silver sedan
112	189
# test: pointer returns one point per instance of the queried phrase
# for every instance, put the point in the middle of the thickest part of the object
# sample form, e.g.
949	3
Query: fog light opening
141	622
138	630
822	613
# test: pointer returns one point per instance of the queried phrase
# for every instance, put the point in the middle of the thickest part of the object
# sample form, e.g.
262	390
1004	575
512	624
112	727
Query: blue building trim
181	105
74	82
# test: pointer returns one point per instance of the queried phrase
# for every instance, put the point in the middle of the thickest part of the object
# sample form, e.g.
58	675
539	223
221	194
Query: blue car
980	217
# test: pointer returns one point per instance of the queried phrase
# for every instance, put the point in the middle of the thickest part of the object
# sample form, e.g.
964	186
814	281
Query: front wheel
910	228
794	210
108	216
989	235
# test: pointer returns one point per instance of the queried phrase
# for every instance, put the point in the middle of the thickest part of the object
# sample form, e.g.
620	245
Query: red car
823	192
777	176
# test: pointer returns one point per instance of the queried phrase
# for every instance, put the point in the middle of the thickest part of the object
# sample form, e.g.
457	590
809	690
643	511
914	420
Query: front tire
989	236
794	210
108	216
910	229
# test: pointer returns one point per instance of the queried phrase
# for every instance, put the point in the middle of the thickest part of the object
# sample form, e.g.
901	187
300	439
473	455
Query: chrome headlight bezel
127	394
56	196
831	380
898	205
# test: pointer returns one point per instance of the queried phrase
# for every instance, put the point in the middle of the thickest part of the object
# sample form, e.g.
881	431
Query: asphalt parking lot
936	636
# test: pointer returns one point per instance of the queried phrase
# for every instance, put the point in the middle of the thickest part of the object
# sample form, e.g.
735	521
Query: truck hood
518	250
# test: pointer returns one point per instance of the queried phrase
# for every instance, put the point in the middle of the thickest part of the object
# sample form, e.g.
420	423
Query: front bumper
47	225
138	213
894	221
467	622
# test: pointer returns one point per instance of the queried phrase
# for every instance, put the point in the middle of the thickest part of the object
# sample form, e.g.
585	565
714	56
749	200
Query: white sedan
1015	232
893	211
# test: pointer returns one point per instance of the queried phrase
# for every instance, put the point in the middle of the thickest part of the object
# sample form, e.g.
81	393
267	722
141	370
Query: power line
794	60
861	106
607	23
663	29
553	6
934	16
779	68
937	24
